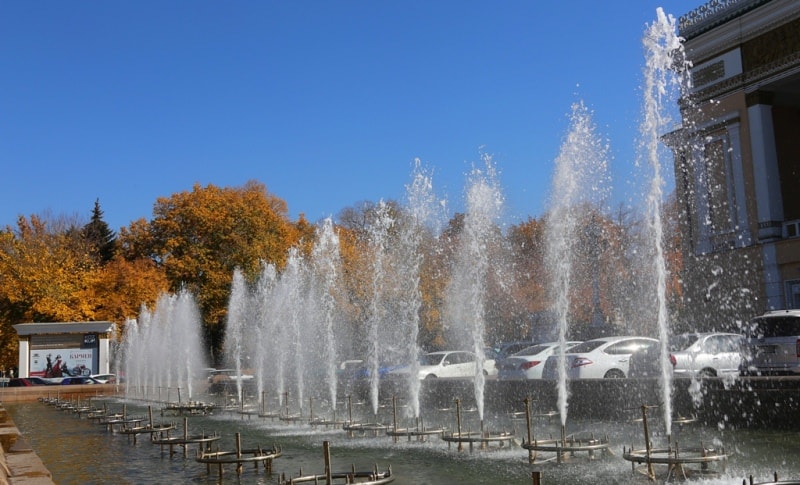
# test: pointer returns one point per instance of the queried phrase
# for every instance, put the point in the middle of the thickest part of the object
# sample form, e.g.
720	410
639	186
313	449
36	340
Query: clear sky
327	103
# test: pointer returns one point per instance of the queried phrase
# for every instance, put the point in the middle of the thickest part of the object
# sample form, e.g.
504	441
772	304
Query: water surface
79	451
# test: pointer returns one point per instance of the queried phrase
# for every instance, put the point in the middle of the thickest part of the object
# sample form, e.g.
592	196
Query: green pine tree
100	237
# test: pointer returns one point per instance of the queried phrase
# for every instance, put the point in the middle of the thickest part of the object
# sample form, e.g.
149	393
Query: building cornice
712	14
745	25
751	81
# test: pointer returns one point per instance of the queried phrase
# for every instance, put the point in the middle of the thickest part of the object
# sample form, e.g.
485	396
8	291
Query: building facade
737	160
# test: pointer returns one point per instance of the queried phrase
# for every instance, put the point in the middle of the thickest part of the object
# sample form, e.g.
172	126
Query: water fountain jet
579	180
465	310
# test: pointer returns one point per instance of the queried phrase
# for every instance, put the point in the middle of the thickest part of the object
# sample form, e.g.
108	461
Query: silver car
774	343
708	354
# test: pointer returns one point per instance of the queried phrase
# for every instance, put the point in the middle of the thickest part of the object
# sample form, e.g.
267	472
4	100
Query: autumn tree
46	275
434	275
356	228
46	271
122	286
200	237
529	288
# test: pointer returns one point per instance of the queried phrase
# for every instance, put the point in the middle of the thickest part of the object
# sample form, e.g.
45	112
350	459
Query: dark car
19	382
503	350
363	371
38	381
647	363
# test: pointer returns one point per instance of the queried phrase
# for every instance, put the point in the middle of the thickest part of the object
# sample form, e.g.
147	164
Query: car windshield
430	359
587	346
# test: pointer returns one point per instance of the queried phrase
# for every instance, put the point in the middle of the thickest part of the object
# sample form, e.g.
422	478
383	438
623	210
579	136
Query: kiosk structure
62	349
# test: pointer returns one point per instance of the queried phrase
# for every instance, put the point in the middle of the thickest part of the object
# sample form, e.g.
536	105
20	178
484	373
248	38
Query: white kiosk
61	349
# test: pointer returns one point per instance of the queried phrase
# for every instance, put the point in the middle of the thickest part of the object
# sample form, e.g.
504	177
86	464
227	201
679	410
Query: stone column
769	200
103	353
24	357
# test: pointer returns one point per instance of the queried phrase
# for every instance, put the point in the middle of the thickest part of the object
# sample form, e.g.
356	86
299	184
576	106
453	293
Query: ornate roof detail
712	14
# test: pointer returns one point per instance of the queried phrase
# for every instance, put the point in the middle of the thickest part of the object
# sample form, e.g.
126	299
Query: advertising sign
62	362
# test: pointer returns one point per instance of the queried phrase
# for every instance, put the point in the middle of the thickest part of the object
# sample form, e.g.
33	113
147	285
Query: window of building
793	294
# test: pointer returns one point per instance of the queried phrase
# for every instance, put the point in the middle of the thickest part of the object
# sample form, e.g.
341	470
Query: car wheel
430	376
614	374
707	373
485	373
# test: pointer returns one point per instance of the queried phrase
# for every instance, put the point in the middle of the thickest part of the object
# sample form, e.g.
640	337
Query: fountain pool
111	458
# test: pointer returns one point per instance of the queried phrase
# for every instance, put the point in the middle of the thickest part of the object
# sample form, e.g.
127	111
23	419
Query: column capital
759	97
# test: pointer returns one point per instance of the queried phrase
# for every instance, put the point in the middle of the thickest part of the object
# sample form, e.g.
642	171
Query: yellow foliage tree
200	237
46	275
122	286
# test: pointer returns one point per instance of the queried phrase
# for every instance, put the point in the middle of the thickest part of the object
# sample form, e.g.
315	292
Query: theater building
737	160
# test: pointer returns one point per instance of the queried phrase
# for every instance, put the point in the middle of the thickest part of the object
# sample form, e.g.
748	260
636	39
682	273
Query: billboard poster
62	362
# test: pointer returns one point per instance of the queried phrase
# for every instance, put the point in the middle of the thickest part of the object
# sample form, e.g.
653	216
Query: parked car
363	371
490	362
452	363
503	350
39	381
708	354
78	380
646	362
602	358
704	354
105	378
19	382
528	363
773	344
224	375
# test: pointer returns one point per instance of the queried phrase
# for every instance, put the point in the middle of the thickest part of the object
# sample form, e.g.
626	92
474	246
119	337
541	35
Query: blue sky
327	103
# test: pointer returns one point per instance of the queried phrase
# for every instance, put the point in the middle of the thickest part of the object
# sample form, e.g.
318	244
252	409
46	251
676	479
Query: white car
221	375
528	363
451	363
105	378
602	358
707	354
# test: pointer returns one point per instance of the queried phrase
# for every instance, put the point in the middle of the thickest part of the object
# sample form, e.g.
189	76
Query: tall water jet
156	333
163	350
186	330
578	182
465	310
665	75
129	347
326	263
265	323
237	326
378	243
291	302
422	206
